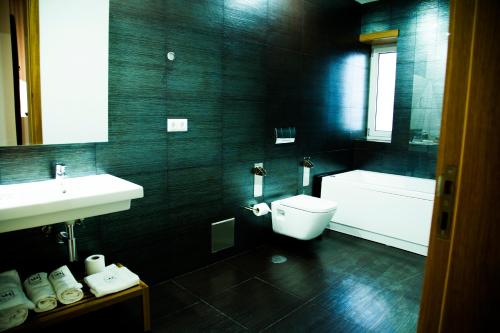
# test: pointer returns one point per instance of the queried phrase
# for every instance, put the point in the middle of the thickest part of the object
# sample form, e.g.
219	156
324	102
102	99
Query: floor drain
278	259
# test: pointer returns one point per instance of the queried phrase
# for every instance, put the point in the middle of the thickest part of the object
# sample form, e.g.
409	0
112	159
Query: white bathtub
389	209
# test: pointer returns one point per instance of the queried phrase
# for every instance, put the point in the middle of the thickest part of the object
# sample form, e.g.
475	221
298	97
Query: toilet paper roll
94	264
261	209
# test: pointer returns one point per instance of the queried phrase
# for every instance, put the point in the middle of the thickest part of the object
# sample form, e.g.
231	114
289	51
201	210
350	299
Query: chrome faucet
259	171
307	163
60	170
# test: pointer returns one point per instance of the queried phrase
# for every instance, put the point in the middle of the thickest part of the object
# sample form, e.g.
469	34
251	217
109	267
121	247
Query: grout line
223	291
280	289
198	299
218	262
285	316
305	302
204	299
225	315
159	284
176	311
197	270
239	254
220	99
185	289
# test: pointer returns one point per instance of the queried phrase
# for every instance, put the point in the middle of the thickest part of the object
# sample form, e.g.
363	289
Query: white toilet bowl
302	216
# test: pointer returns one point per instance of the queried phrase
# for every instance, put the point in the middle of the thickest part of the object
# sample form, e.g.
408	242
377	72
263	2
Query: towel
40	292
68	290
111	280
14	305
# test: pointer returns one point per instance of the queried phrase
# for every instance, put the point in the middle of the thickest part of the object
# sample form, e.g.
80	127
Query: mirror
59	91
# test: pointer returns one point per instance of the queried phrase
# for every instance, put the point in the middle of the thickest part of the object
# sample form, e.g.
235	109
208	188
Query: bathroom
237	70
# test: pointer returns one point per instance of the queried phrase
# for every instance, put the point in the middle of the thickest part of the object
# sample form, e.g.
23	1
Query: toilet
302	216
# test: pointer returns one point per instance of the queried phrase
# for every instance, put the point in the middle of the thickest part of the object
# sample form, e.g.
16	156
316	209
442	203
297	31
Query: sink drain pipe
70	229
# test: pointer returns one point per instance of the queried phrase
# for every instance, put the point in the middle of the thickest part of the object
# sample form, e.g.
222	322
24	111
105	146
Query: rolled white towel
14	304
40	292
67	289
111	280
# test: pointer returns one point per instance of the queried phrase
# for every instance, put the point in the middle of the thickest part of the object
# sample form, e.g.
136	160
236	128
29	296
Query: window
382	87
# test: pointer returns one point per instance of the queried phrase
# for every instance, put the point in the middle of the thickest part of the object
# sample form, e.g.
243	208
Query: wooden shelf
89	303
382	37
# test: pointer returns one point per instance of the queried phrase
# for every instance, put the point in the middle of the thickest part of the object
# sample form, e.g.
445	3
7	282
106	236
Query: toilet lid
309	204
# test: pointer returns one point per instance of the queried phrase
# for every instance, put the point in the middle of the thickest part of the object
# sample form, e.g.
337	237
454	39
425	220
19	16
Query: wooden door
462	277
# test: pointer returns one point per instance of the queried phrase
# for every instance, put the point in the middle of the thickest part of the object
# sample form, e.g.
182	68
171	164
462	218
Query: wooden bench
89	303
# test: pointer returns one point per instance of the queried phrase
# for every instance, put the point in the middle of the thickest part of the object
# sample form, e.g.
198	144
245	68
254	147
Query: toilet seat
309	204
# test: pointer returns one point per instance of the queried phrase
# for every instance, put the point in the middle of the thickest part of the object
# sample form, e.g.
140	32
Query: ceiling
365	1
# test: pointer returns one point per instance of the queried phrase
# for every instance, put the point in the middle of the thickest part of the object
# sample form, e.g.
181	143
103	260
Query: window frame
371	133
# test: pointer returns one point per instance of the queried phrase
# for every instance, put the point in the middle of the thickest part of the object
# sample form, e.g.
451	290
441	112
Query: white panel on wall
74	58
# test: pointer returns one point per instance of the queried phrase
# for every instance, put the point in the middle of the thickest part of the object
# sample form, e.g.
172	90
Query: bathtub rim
427	191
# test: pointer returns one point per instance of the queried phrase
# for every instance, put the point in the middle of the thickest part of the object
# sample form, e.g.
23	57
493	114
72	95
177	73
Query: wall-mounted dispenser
308	165
284	135
258	179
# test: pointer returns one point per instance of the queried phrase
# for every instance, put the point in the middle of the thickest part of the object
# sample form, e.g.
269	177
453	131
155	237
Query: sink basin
41	203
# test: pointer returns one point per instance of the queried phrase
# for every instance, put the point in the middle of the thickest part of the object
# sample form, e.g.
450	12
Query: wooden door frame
453	116
463	266
33	72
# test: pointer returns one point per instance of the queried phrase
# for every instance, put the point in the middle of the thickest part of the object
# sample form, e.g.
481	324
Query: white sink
41	203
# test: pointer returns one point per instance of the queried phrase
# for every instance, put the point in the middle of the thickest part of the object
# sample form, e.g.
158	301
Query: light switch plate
177	125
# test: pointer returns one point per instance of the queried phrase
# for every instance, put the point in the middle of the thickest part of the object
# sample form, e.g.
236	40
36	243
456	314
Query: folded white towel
67	289
111	280
40	292
14	305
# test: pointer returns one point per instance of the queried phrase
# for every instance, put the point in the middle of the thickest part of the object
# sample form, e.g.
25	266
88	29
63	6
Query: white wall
74	70
7	115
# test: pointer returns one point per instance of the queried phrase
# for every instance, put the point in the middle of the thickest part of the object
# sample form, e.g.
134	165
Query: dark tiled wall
421	23
241	69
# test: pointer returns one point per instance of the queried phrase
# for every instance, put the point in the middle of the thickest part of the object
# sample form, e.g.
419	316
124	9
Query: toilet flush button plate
177	125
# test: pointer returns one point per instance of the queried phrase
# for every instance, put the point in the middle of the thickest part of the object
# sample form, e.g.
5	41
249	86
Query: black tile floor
334	284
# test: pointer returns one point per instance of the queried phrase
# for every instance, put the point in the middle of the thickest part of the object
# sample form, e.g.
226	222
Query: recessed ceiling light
365	1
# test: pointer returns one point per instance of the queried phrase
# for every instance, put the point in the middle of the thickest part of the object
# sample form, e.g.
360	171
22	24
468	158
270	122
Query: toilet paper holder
250	208
259	209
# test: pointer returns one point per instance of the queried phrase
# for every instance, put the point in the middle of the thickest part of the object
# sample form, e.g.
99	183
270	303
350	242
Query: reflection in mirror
428	80
7	107
58	92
